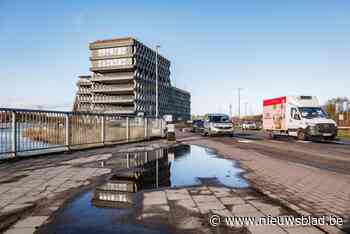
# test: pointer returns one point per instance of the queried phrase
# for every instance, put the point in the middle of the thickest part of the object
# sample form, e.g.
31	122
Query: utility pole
239	103
157	107
246	108
230	111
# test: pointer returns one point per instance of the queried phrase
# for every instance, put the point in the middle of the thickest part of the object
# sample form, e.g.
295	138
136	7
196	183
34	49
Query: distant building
123	81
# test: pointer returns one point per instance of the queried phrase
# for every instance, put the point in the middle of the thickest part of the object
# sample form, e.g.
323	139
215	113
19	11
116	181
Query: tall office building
123	81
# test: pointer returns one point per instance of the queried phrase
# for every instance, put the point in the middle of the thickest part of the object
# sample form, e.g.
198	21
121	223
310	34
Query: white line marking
275	141
245	141
304	142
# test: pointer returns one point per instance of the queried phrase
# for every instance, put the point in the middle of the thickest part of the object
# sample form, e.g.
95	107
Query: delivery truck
297	116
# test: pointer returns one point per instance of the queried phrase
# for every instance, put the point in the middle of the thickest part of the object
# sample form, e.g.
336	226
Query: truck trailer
297	116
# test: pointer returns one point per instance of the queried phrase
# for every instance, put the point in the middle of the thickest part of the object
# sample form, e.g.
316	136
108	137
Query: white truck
298	116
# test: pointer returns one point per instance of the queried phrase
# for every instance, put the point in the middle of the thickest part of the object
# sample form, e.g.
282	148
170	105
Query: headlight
311	124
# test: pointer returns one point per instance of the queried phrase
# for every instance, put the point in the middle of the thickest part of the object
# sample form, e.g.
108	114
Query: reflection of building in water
143	170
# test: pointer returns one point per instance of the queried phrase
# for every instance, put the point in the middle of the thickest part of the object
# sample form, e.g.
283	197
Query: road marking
245	141
340	142
275	141
304	142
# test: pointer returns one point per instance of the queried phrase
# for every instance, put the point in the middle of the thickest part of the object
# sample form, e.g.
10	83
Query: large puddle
113	206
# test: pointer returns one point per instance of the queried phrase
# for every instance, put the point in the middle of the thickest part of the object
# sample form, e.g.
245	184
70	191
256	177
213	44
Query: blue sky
268	48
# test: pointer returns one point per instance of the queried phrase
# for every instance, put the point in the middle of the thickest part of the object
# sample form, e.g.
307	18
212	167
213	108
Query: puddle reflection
112	206
183	165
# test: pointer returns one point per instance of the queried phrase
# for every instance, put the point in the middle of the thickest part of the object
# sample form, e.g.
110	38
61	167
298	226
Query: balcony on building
84	99
84	82
114	89
114	99
111	109
112	59
114	77
112	68
84	90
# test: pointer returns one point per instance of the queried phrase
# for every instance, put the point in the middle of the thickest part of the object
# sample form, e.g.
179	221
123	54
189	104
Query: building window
112	51
113	62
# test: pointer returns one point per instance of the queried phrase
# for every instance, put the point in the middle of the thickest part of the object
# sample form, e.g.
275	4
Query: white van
298	116
217	124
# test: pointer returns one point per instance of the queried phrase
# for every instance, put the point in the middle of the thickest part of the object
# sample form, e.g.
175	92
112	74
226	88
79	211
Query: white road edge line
304	142
245	141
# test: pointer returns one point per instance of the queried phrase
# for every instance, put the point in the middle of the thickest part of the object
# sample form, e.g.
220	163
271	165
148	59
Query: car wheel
301	135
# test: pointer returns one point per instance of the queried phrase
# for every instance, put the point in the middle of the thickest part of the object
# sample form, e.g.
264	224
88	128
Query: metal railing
31	132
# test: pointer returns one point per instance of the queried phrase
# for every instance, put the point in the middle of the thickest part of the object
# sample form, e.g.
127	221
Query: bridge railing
31	132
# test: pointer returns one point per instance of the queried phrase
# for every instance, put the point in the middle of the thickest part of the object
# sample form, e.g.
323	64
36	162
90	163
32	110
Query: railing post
162	127
146	127
127	128
67	132
103	128
14	134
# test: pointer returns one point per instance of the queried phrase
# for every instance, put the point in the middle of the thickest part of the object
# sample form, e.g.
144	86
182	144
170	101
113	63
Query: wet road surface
113	206
332	156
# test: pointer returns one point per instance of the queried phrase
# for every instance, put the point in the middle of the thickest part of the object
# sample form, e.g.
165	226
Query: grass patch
344	134
51	136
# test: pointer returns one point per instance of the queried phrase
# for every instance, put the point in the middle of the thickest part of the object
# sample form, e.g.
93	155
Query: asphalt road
332	156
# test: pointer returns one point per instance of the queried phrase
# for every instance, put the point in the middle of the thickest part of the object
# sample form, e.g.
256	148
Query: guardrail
32	132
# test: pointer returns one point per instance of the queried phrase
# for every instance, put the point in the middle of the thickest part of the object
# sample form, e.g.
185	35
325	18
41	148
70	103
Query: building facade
123	81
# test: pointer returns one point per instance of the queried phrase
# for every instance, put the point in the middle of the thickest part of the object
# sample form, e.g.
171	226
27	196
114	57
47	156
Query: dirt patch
13	179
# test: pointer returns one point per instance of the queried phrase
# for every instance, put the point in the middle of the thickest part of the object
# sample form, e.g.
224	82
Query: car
249	125
197	125
217	124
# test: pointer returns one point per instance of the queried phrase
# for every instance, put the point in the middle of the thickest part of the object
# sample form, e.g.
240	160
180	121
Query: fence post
162	127
103	128
14	133
127	128
67	134
146	128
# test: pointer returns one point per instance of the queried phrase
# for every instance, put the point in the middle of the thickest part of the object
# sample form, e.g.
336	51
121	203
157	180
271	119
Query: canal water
112	207
23	143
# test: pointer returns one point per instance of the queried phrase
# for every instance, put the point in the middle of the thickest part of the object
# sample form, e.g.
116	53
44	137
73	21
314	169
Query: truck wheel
272	135
331	138
301	135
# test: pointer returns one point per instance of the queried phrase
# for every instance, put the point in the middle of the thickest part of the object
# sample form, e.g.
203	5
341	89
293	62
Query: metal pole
157	171
146	127
103	129
157	104
127	128
67	131
14	134
239	103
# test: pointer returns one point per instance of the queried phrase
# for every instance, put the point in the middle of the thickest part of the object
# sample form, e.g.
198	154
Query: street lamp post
157	104
246	108
239	103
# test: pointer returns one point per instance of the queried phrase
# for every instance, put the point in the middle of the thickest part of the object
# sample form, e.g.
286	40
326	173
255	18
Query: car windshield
198	122
312	112
219	119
